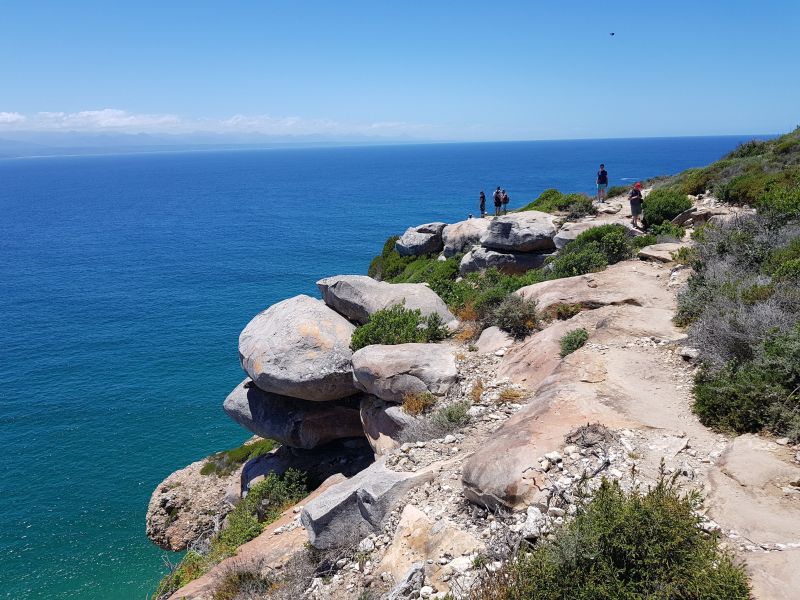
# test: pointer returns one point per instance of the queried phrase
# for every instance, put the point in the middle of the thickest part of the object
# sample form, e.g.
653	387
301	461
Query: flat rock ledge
301	348
421	240
530	231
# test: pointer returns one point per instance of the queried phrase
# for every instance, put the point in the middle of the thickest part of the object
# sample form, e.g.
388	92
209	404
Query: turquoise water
124	283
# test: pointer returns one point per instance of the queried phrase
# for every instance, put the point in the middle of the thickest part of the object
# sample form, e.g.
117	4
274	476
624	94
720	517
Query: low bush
440	275
416	403
388	263
667	232
244	584
641	241
664	205
224	463
515	315
603	553
399	325
453	416
572	340
618	190
592	251
553	201
563	311
192	566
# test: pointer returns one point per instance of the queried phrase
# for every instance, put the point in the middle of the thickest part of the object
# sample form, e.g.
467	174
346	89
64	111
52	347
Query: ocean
126	279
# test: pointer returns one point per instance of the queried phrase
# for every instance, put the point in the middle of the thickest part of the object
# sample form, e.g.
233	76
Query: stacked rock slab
420	240
462	236
530	231
511	263
357	297
384	423
301	348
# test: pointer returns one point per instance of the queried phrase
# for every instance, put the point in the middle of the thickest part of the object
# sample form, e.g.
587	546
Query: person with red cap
636	200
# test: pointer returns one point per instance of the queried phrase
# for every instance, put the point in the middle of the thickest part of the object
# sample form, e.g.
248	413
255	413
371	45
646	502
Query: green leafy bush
399	325
453	416
515	315
572	340
553	201
641	241
244	584
631	546
781	203
618	190
664	205
667	231
440	275
388	263
224	463
593	250
192	566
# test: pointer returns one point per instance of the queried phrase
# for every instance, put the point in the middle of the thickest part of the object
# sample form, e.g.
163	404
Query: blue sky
427	70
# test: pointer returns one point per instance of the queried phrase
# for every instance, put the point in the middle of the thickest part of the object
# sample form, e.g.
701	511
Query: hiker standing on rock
504	200
483	204
602	183
498	201
636	200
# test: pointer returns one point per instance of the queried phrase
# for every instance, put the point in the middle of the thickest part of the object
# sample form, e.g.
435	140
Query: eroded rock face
384	423
660	252
186	505
301	348
356	507
390	372
419	240
290	421
530	231
569	231
493	339
460	237
511	263
358	296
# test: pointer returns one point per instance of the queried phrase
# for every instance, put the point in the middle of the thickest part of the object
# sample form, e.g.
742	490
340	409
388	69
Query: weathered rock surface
384	423
356	507
492	339
357	297
628	282
390	372
460	237
512	263
187	505
419	240
530	231
301	348
418	539
569	231
660	252
290	421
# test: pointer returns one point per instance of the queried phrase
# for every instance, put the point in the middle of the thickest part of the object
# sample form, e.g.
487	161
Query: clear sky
437	70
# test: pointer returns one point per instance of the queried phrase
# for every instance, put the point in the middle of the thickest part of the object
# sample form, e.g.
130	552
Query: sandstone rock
290	421
460	237
419	240
410	583
358	296
493	339
660	252
301	348
420	540
356	507
480	259
390	372
530	231
384	423
569	231
627	282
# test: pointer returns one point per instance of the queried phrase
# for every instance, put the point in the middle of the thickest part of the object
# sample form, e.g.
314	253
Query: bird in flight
611	34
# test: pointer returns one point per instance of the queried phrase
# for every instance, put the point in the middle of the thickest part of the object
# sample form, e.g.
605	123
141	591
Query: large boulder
460	237
530	231
661	252
512	263
384	424
391	372
569	231
354	508
296	423
629	282
357	297
419	240
301	348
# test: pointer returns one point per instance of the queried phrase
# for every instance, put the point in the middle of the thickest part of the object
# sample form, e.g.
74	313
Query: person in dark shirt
498	201
602	183
483	204
636	200
504	200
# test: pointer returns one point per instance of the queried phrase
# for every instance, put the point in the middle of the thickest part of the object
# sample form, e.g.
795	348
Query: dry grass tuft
477	391
416	403
510	395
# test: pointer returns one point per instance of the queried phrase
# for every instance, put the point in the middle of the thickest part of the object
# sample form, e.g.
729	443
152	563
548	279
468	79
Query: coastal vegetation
399	325
574	206
601	553
663	205
226	462
572	340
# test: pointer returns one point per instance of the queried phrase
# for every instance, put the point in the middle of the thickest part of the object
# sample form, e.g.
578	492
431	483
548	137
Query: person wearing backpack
602	183
504	200
498	201
636	200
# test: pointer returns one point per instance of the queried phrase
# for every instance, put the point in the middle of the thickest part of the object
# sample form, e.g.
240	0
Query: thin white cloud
121	121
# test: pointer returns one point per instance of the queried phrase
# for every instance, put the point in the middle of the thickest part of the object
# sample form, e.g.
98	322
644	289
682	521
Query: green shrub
453	416
440	275
757	394
664	205
399	325
667	230
563	311
582	260
553	201
593	250
515	315
192	566
572	340
618	190
624	546
641	241
224	463
243	584
388	263
781	203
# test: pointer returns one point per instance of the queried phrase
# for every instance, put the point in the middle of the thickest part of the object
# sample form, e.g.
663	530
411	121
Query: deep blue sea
124	283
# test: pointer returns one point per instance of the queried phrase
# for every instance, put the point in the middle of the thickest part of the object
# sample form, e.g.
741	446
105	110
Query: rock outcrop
297	423
569	231
357	297
512	263
420	240
391	372
660	252
460	237
530	231
384	423
301	348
